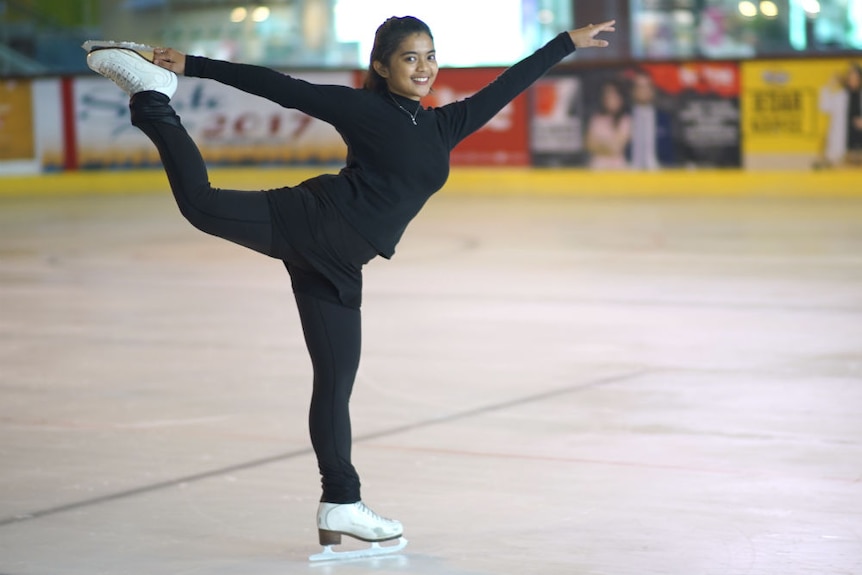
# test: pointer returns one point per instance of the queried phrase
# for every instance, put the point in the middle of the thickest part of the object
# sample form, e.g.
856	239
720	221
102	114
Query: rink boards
518	181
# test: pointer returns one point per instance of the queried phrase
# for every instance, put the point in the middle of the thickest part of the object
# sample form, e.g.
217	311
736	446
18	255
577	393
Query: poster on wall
702	109
802	114
230	127
503	140
642	117
16	121
556	122
48	101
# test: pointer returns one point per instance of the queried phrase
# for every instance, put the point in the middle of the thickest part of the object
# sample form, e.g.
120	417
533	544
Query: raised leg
242	217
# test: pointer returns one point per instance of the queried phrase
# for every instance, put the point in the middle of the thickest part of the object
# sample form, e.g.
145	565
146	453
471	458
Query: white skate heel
357	521
131	71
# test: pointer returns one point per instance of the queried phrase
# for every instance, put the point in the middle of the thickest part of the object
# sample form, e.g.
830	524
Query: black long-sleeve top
392	166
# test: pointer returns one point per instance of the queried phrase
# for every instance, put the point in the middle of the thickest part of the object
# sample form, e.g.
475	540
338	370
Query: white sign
230	127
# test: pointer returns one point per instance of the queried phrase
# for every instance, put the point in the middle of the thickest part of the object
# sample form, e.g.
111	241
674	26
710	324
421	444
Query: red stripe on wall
70	140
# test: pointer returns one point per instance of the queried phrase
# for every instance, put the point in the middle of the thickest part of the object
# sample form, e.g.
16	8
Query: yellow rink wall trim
486	181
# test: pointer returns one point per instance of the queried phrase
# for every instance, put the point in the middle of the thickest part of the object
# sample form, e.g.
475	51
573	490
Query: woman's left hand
171	59
586	37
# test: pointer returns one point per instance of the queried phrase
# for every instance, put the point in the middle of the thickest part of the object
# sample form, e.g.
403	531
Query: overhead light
260	14
683	17
811	7
747	9
238	14
545	17
769	9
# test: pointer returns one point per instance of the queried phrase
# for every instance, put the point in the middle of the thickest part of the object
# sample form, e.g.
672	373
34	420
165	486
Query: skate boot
132	72
357	521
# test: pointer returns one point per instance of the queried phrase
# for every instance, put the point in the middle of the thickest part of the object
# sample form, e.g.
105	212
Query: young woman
326	228
609	132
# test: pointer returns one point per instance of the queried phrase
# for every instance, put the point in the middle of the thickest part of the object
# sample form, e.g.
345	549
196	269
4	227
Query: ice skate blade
376	550
91	45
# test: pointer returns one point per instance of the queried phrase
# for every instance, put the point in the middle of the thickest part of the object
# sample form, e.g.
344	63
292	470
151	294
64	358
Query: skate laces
364	509
120	74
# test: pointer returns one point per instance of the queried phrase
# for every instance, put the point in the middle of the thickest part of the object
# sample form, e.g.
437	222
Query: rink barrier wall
479	181
760	115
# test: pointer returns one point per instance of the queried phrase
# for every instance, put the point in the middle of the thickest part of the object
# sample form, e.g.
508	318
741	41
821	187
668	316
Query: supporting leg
333	336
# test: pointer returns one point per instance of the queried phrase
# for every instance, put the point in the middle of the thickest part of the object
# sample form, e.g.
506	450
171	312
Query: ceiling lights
257	13
768	8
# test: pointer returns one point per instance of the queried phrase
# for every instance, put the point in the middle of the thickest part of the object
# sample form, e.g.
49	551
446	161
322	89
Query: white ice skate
357	521
128	68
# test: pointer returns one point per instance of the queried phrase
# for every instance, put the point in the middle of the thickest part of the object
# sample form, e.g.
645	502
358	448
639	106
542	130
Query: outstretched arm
585	37
466	116
321	101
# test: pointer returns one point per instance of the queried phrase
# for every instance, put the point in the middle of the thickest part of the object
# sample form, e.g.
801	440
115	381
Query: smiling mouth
421	80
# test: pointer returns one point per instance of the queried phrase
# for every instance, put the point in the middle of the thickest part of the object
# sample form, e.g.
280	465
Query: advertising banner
702	103
557	122
229	126
503	140
49	123
644	117
802	114
17	140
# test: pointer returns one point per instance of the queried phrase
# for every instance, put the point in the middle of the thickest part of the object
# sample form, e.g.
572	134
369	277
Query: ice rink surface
549	386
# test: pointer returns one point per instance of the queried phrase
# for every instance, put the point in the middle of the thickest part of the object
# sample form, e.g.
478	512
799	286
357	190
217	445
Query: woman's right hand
171	59
586	37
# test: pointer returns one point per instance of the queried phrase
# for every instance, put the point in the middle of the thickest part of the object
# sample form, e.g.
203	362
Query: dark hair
618	87
389	36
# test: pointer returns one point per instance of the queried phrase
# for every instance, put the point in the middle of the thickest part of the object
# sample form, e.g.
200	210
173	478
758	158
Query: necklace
413	115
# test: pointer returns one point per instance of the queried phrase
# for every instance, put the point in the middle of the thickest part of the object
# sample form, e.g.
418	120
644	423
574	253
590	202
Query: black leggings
332	330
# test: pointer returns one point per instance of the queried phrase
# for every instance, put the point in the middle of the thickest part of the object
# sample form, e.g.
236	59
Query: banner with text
503	140
802	114
229	126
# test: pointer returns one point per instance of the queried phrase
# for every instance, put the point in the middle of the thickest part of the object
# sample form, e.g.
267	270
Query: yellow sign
782	112
788	119
16	121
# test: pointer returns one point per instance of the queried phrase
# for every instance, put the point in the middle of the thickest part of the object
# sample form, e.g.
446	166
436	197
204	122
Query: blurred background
625	338
759	85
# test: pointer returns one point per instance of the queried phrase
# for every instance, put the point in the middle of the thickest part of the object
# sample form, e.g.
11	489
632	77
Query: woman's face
412	69
643	91
612	99
854	79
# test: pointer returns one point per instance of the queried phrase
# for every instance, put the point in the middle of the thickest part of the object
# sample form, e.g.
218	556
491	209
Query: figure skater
326	228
